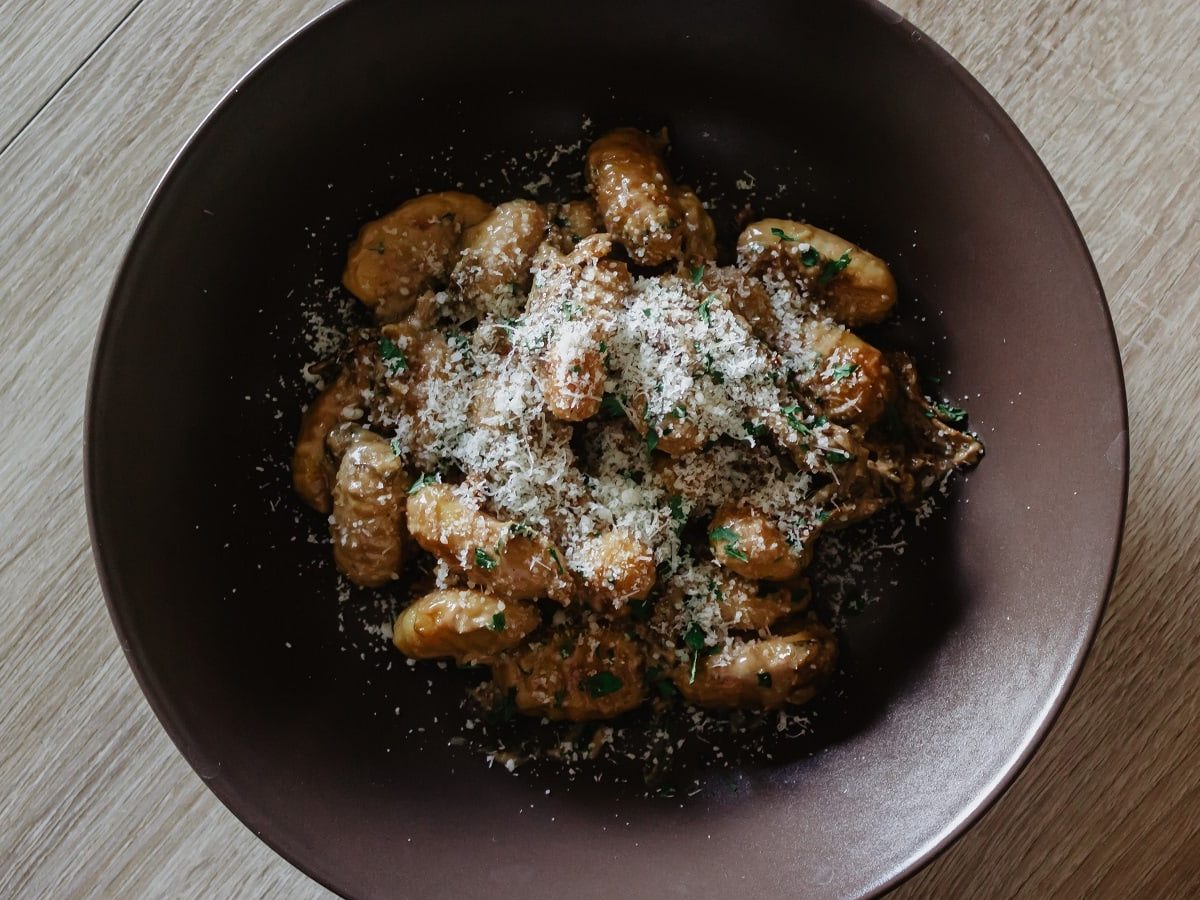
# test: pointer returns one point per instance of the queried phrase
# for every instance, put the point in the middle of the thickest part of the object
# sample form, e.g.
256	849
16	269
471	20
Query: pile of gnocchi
581	448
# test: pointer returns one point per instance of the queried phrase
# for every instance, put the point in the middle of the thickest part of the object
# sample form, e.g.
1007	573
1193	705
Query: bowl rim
164	709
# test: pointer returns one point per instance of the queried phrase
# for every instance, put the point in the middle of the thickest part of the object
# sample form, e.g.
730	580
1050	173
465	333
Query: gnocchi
582	452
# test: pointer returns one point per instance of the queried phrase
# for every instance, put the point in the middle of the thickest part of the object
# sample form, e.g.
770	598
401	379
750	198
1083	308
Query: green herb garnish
833	268
554	556
498	622
705	314
610	406
393	356
837	456
764	679
651	439
694	640
781	234
792	414
730	538
697	274
602	683
845	370
675	502
810	257
952	414
420	482
485	560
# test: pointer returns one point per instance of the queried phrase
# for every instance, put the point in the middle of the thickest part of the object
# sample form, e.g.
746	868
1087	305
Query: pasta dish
584	449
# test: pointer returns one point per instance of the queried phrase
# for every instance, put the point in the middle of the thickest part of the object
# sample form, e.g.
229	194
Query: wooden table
96	97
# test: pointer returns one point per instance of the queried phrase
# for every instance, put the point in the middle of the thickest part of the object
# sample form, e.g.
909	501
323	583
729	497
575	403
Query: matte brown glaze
231	628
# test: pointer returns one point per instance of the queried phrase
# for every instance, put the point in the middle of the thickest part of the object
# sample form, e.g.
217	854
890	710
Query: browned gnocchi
468	625
581	452
367	522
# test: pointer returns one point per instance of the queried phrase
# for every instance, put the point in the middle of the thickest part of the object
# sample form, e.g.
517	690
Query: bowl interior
343	758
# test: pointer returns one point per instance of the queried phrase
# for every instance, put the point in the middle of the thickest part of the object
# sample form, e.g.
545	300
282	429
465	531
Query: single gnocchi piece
367	524
312	469
579	674
619	568
415	246
746	541
583	288
763	673
469	626
853	382
504	557
493	269
855	287
636	196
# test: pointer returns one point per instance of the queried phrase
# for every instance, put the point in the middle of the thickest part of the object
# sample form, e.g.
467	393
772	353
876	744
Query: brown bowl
843	113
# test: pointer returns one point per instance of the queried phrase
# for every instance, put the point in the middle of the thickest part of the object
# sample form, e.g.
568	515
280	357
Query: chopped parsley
705	313
697	274
781	234
675	502
833	268
420	482
754	429
730	538
953	414
498	622
810	257
601	684
792	414
397	448
610	406
844	370
837	456
764	679
651	439
485	560
520	529
393	357
557	562
694	640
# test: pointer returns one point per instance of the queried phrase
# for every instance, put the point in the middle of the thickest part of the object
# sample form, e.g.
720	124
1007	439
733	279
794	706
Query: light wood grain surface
95	98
